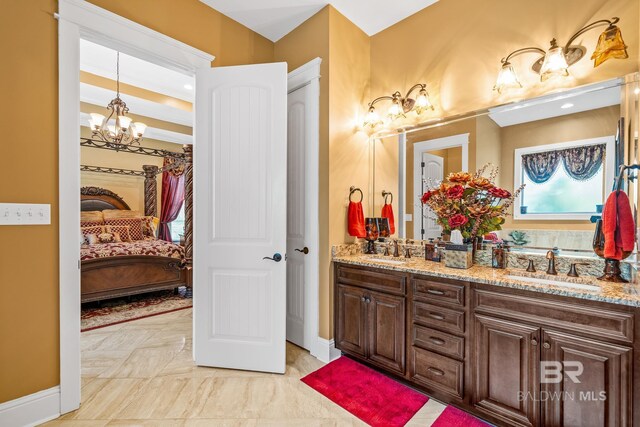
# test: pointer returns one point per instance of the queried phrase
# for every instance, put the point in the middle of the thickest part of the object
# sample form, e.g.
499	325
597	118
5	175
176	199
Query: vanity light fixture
556	61
400	105
124	132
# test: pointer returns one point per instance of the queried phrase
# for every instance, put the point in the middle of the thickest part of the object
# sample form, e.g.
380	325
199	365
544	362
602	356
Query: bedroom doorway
81	20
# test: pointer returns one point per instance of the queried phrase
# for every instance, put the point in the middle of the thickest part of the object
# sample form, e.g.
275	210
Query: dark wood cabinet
506	355
351	313
386	324
371	324
506	360
593	388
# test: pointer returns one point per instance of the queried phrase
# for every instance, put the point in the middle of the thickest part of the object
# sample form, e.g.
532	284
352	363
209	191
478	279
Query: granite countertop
617	293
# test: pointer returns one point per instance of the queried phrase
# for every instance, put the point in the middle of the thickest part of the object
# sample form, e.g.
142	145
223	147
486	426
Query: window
177	226
551	192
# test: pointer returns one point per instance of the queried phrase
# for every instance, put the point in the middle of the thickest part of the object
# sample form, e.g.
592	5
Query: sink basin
541	281
386	261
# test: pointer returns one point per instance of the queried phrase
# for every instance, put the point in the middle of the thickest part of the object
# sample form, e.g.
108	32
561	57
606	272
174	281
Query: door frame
309	75
79	19
460	140
419	226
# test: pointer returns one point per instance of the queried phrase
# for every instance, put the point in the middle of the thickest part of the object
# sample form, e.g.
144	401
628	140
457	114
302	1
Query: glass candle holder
371	234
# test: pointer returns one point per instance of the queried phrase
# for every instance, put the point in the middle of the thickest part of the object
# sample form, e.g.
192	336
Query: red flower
455	192
458	220
426	196
499	193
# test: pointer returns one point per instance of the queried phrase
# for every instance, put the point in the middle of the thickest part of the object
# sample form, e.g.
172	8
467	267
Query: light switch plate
24	214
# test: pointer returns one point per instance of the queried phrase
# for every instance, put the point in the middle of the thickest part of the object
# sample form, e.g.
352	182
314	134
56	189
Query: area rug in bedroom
119	310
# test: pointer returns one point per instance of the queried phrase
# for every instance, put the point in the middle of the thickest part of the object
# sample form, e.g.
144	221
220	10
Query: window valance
580	163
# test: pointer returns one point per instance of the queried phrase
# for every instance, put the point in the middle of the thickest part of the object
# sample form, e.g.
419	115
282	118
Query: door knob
304	250
276	257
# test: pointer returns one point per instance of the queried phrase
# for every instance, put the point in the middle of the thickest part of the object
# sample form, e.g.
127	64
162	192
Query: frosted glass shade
138	128
96	120
372	118
554	64
507	79
124	122
610	45
395	110
422	101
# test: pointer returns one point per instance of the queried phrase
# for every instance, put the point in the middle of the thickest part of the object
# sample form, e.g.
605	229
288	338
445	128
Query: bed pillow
92	217
150	226
135	226
117	214
92	239
95	229
107	238
120	232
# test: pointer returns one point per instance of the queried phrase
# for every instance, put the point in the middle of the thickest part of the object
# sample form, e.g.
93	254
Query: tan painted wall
455	47
29	274
588	124
348	149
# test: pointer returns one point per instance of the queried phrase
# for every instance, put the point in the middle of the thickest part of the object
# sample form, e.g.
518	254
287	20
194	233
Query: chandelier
123	131
400	105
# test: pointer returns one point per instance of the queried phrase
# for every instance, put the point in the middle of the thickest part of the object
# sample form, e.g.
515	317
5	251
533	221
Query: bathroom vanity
478	339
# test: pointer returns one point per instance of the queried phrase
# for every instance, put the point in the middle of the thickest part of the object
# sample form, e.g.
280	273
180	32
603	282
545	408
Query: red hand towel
356	220
387	212
618	225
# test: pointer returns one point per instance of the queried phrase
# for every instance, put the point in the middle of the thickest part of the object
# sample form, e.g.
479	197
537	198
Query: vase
372	234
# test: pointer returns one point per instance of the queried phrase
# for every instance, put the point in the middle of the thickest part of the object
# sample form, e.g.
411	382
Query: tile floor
140	373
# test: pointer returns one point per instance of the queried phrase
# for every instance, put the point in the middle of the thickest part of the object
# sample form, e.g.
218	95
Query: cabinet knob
546	345
363	299
534	341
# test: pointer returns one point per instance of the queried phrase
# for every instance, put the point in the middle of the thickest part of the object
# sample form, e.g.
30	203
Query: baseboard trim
31	410
326	350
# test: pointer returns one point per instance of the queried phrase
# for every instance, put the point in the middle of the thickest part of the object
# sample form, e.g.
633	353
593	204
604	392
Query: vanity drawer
439	290
438	317
437	372
441	342
597	322
372	279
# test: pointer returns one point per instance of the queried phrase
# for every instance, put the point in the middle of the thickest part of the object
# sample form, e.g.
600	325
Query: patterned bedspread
138	247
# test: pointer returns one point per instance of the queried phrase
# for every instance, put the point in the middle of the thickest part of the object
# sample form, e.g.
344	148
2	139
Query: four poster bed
133	262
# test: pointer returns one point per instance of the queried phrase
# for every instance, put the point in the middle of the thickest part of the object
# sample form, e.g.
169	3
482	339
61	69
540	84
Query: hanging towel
618	225
356	220
387	212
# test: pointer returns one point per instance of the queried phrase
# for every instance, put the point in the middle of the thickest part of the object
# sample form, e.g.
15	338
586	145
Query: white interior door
432	171
240	210
301	206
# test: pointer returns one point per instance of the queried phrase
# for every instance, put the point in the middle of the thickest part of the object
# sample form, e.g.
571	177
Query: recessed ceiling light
567	105
188	87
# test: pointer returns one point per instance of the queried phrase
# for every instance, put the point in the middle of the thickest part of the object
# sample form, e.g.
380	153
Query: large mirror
564	147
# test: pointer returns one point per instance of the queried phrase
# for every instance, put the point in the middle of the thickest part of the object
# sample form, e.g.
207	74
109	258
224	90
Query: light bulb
395	109
96	121
124	122
422	101
112	130
372	118
507	78
554	64
139	129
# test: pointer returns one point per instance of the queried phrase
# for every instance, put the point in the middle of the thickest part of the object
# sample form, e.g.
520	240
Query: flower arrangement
470	203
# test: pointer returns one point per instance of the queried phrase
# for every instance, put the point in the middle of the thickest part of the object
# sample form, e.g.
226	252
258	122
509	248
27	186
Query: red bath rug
454	417
374	398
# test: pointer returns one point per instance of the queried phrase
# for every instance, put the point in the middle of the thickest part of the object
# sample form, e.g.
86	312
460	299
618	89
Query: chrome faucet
551	256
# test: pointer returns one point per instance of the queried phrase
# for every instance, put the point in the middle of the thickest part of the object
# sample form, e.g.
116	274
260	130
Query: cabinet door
386	329
351	320
506	359
587	382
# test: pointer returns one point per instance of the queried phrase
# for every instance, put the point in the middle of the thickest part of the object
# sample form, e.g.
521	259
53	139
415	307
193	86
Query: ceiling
274	19
101	61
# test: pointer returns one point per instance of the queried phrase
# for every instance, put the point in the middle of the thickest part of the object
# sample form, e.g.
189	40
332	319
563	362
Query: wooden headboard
99	199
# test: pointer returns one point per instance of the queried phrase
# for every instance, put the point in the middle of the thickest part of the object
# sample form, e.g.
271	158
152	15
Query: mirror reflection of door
431	173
